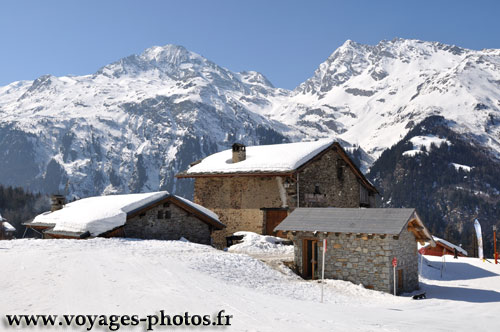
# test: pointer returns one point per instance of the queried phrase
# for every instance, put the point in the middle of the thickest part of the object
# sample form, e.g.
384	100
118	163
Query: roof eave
423	235
232	174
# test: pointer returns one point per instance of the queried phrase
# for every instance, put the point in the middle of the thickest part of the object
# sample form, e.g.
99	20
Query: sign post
495	253
394	264
323	269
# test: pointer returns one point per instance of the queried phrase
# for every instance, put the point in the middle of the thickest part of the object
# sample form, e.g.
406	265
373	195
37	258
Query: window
160	215
363	196
166	205
316	189
167	215
340	170
142	215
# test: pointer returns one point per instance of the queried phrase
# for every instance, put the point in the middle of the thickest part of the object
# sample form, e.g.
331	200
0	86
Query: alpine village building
6	229
157	215
361	245
254	188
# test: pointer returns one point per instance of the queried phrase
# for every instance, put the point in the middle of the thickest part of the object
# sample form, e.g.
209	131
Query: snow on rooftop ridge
451	245
97	214
200	208
8	227
264	158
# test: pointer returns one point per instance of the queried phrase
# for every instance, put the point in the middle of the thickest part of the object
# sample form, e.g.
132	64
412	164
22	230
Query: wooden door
310	259
400	281
273	219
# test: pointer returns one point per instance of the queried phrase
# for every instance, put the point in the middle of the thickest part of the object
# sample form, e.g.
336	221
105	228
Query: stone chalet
157	215
254	188
6	229
361	244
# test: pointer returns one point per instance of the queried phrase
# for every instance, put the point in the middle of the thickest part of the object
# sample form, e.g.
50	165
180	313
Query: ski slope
123	276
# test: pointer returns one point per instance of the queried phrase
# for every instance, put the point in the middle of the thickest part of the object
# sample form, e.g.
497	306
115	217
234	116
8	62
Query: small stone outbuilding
157	215
6	229
361	244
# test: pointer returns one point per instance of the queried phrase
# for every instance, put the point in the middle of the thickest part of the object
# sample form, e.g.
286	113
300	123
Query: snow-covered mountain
130	126
136	122
372	96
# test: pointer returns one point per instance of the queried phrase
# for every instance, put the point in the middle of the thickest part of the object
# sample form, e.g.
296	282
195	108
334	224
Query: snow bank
265	158
96	214
254	243
123	276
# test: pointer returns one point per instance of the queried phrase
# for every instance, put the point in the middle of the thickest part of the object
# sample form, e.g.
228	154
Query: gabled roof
274	159
448	245
8	227
355	221
101	214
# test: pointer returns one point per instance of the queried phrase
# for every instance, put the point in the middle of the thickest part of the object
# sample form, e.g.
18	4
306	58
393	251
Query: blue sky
284	40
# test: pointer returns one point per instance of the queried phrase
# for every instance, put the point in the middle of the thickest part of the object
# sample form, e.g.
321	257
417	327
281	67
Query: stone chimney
57	201
239	152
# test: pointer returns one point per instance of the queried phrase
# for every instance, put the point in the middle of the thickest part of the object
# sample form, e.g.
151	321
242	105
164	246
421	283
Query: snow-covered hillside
135	123
372	96
120	276
130	126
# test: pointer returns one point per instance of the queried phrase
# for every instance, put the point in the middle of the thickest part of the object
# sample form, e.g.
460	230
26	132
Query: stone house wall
329	182
238	200
364	259
167	222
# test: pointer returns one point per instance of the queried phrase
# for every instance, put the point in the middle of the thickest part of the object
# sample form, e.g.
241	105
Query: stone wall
364	259
238	200
406	251
328	182
173	224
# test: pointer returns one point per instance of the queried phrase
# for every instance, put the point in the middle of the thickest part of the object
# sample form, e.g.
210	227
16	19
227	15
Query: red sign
394	262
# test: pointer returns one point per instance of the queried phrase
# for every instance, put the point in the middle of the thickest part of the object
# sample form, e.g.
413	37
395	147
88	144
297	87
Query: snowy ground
119	276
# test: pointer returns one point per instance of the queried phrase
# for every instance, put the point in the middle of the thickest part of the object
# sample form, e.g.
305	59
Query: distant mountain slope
136	122
447	177
373	95
131	126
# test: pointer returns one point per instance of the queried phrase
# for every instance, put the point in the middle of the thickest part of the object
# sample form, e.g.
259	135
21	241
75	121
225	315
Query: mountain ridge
134	123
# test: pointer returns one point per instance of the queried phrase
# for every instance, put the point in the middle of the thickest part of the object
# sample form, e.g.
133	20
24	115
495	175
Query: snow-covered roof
200	208
274	158
8	227
100	214
97	214
450	245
